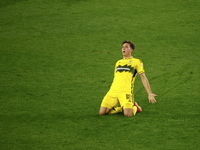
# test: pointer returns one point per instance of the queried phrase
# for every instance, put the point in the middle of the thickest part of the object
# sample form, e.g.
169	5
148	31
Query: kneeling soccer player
121	90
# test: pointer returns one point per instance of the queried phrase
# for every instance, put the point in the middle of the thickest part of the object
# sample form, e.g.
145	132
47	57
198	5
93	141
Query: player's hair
132	45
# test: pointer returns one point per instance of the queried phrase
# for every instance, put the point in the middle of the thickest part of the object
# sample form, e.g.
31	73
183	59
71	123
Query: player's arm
146	85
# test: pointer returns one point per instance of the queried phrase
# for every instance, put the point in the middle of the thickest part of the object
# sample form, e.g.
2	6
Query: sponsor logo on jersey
125	68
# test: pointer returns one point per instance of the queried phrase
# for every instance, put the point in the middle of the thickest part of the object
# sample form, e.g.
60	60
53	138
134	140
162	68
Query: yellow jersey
125	73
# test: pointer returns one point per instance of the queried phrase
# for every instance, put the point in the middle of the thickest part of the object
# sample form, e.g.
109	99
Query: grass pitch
57	61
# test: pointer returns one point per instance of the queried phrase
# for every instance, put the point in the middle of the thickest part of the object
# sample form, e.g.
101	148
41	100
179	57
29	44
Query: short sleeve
140	67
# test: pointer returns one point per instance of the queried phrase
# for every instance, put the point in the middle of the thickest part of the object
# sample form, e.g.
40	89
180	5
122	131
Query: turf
57	61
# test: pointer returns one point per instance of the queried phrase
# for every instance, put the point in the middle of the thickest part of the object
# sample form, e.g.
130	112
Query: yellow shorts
113	99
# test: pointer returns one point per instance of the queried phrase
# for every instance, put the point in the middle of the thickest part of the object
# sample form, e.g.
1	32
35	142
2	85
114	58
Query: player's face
126	50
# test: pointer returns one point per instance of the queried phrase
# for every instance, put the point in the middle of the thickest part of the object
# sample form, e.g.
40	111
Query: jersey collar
128	58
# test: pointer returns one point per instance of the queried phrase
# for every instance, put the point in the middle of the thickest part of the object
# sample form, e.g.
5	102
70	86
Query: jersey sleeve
140	67
115	67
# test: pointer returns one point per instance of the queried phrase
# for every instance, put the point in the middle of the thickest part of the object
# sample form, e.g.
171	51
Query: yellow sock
116	110
134	110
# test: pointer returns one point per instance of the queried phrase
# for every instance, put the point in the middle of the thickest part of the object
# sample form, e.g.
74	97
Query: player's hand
152	98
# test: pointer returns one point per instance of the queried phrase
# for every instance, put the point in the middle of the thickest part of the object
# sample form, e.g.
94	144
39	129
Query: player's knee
104	111
128	113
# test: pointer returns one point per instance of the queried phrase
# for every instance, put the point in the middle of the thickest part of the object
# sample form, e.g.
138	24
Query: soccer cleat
139	109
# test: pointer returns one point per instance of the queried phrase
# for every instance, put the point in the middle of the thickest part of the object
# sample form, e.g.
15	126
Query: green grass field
57	59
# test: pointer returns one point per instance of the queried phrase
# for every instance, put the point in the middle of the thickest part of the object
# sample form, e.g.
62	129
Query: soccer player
121	90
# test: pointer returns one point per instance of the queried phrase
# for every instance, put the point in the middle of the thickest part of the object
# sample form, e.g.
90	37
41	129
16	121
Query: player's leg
126	101
139	109
135	109
108	103
116	110
129	112
104	110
